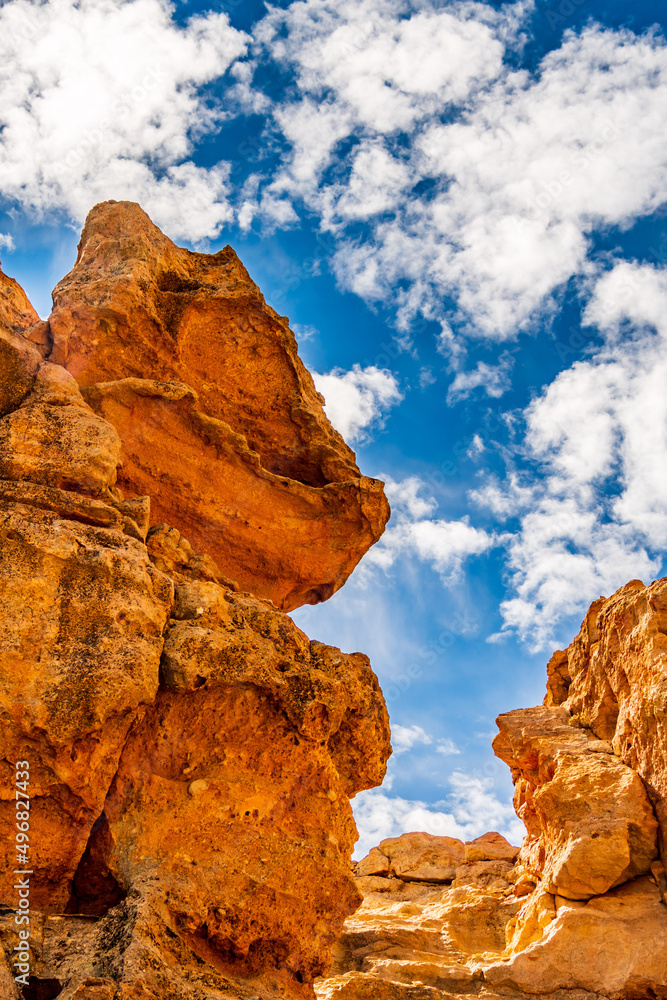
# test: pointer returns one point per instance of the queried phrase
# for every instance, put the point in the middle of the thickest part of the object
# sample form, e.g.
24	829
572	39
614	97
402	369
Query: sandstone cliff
580	911
219	420
169	484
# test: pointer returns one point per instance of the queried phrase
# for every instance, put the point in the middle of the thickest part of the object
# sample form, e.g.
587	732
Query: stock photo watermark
21	956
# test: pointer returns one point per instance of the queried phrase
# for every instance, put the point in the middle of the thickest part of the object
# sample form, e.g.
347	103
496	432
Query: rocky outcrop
589	820
425	918
581	913
191	753
220	421
169	485
613	679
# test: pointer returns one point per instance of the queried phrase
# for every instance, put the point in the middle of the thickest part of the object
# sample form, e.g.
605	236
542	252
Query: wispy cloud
404	738
440	543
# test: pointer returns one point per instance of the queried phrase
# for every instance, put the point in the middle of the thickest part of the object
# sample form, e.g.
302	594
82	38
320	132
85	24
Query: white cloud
405	499
476	447
101	99
359	399
470	810
494	379
406	737
492	206
304	331
379	64
479	184
6	242
426	377
592	508
444	545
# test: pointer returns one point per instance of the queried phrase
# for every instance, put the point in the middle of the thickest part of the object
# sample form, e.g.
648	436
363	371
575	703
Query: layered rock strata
580	912
191	753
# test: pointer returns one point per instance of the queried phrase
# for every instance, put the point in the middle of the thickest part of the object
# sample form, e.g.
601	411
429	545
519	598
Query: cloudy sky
460	206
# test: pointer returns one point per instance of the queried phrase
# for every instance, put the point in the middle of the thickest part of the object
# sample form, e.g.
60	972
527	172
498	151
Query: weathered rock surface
582	912
423	919
191	752
278	537
220	421
613	677
614	945
589	820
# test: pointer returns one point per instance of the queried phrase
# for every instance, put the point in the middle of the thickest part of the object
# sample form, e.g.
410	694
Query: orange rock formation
581	913
221	424
191	752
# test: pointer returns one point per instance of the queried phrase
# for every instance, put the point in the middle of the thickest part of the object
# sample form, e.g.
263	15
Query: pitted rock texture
589	820
613	678
220	421
581	913
192	752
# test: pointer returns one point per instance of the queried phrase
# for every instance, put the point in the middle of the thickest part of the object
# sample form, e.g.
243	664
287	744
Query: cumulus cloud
506	174
591	503
445	545
359	399
470	810
451	184
6	241
102	99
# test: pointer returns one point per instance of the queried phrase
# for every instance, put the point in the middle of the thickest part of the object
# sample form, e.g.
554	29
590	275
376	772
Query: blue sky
460	206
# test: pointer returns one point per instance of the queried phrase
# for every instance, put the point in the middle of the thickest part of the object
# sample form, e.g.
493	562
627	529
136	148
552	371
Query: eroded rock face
589	820
220	421
581	913
278	537
614	944
423	919
191	752
81	622
613	677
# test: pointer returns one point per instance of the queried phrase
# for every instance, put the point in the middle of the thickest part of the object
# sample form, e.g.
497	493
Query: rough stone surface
278	537
412	931
490	847
421	857
589	820
614	945
580	912
81	621
191	752
613	677
19	358
220	421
